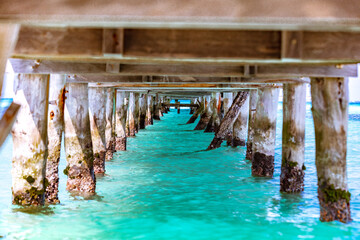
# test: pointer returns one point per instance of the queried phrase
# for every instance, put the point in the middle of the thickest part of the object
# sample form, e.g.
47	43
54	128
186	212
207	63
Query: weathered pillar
253	95
205	116
156	108
55	130
192	108
265	132
97	112
330	99
143	107
214	121
227	101
137	112
161	108
29	135
120	111
293	138
228	120
149	110
109	129
78	144
240	126
198	111
177	107
132	114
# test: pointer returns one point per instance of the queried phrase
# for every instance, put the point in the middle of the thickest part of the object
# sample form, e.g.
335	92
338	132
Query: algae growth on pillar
265	132
330	102
120	122
97	112
109	129
29	134
293	138
55	130
78	144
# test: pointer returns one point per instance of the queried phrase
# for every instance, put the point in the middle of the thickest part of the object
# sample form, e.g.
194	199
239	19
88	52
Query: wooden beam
112	71
7	121
258	14
188	45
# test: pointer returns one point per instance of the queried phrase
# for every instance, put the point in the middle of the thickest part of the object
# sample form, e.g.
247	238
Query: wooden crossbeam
225	14
177	80
187	45
194	70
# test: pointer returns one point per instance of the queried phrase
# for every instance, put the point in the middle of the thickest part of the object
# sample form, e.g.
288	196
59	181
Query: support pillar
143	108
253	95
149	110
109	128
156	108
192	108
177	107
97	112
265	132
137	112
55	129
227	101
29	135
132	114
240	126
214	122
205	116
78	144
330	99
198	111
293	138
120	132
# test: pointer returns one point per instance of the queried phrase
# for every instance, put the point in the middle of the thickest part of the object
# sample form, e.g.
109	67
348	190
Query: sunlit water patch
166	187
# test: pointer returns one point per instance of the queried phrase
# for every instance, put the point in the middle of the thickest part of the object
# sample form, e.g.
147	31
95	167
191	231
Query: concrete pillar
156	108
29	135
149	110
330	99
120	132
143	108
293	138
227	101
214	121
240	126
265	132
132	114
205	116
253	95
55	130
97	113
78	144
137	112
109	129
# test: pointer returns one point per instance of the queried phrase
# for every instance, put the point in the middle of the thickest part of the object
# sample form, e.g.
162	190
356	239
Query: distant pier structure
99	73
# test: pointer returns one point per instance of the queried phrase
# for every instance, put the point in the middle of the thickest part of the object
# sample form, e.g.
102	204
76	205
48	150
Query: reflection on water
167	187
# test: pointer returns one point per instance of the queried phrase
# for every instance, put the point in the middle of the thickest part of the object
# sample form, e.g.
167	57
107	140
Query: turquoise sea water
165	187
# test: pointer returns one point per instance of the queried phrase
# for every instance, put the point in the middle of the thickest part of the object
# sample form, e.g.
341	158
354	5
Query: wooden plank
195	72
202	43
331	45
292	44
55	41
320	14
113	41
